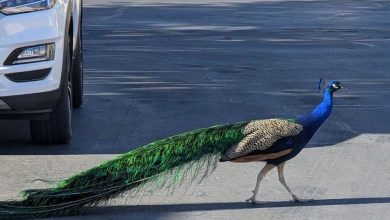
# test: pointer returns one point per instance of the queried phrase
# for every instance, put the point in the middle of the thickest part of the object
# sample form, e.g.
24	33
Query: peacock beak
343	87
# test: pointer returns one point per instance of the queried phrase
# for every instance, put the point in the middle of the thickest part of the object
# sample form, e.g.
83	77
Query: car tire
77	74
57	129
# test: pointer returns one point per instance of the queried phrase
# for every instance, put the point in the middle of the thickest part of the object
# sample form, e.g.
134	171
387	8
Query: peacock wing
261	135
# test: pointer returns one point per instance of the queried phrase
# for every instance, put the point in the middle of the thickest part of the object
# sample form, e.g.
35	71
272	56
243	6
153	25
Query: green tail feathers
164	162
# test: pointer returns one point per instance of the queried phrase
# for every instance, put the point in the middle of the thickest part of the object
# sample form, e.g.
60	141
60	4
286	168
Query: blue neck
312	121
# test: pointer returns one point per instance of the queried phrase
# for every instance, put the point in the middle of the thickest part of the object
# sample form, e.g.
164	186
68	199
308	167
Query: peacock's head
333	85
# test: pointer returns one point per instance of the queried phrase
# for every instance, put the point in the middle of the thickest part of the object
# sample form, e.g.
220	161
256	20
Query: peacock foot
250	199
256	202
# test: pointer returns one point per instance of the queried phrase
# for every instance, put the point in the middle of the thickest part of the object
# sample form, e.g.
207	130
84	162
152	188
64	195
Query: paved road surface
158	68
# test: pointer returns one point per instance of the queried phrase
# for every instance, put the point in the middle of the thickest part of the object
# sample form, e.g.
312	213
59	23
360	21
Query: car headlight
9	7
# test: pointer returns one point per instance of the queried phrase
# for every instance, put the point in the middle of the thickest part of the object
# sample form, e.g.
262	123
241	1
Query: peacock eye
334	86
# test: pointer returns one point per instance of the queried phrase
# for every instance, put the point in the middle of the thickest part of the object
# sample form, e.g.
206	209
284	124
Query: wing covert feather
260	135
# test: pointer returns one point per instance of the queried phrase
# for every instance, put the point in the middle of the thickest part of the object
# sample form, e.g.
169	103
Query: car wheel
58	128
77	74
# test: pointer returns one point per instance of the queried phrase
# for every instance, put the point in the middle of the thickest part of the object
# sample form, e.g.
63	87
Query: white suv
41	71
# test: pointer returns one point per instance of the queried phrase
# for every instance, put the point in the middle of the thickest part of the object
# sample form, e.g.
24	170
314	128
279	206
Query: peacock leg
283	182
268	167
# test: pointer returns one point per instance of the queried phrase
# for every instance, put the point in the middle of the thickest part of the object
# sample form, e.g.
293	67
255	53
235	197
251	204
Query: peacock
166	162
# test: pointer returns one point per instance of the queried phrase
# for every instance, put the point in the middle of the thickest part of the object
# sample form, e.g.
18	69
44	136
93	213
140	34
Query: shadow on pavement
235	205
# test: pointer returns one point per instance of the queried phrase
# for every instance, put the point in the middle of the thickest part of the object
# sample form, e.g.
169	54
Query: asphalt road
158	68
